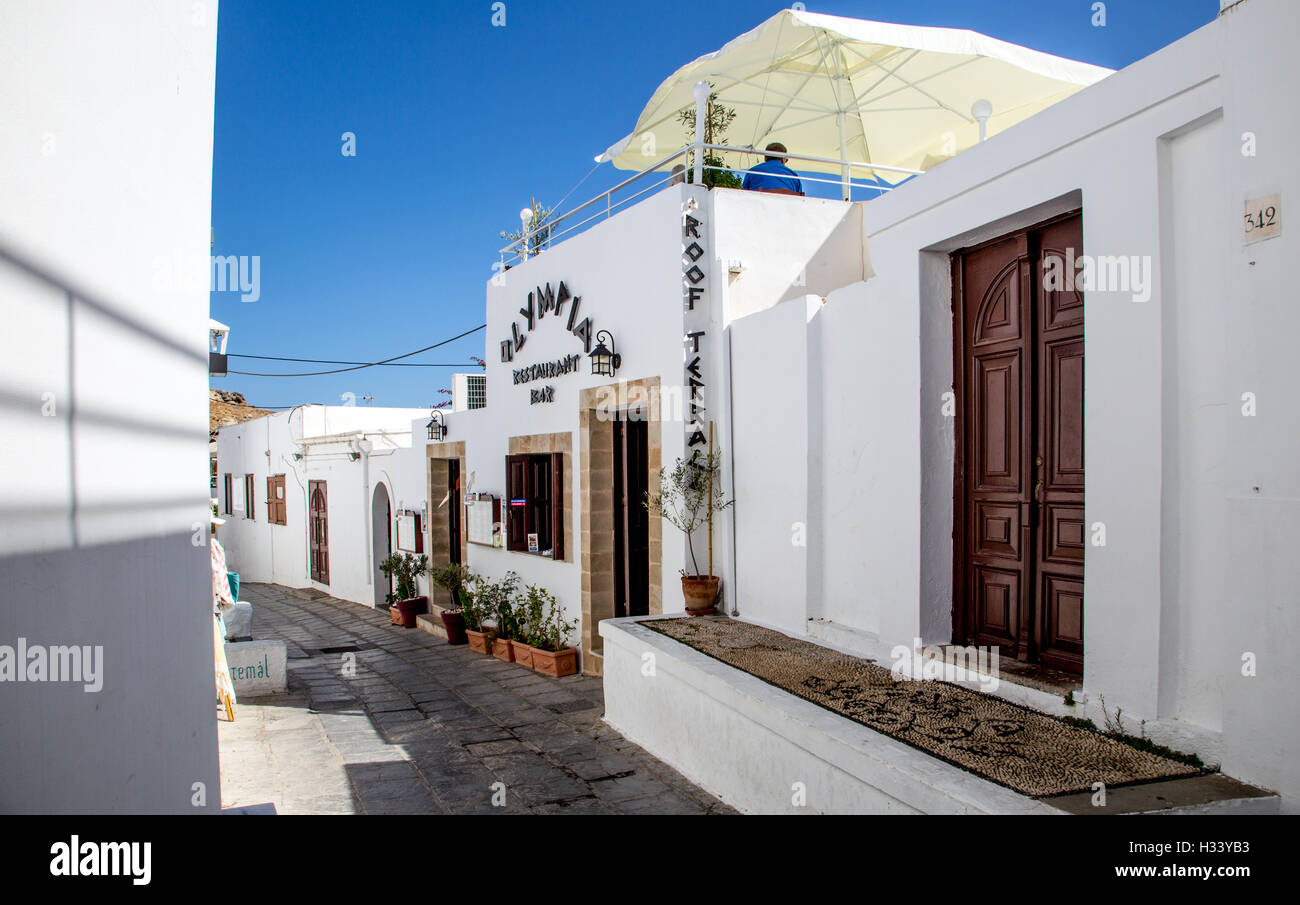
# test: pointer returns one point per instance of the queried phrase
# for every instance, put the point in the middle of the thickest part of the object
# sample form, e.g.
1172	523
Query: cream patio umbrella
855	90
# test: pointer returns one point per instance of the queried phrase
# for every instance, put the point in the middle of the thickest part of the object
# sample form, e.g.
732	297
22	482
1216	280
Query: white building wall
628	271
260	551
106	124
1198	502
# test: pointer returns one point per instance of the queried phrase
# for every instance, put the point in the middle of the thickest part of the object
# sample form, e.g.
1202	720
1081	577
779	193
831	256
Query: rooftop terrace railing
536	238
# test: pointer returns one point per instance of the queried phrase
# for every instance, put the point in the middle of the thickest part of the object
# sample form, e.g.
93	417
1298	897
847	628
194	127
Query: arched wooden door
318	508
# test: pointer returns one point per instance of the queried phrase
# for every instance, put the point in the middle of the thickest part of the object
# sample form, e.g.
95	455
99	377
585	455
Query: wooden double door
318	509
1019	523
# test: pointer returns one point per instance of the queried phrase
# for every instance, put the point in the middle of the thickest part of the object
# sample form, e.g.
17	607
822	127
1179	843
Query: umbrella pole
701	90
844	156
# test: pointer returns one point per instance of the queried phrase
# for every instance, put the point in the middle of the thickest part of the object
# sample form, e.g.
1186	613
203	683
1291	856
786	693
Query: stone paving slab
400	722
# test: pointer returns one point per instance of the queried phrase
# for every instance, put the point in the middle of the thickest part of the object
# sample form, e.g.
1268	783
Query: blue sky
458	123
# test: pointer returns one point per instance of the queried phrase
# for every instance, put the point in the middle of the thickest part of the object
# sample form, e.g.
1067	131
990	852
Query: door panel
453	510
1018	493
1059	455
996	487
631	519
320	535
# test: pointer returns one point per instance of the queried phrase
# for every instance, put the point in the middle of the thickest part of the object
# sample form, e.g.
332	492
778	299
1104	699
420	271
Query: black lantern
437	427
604	360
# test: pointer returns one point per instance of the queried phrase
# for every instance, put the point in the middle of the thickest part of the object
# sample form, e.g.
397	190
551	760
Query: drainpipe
730	455
270	534
701	91
364	447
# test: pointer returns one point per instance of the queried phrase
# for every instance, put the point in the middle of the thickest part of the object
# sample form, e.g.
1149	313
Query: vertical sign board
696	319
698	323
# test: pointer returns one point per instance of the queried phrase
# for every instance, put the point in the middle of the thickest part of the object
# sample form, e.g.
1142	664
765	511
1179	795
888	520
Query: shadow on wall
108	703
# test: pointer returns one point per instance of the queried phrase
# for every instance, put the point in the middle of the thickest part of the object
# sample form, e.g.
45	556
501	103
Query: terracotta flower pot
478	641
403	613
555	663
701	592
454	623
502	650
523	653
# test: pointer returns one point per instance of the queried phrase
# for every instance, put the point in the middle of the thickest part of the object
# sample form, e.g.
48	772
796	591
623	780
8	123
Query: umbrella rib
914	85
779	113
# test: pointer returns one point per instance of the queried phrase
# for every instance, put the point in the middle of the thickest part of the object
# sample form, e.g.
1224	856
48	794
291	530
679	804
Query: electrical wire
335	361
366	365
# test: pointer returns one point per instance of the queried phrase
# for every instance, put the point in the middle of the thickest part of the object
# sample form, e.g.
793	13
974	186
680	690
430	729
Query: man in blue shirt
772	173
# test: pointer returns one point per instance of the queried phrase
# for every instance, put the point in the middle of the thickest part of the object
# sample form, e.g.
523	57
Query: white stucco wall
628	272
260	551
106	124
1198	502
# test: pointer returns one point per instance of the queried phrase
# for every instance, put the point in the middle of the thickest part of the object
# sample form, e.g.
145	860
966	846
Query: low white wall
711	722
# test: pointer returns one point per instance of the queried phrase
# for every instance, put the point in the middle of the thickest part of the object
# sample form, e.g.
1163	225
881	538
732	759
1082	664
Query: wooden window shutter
557	505
226	486
250	509
275	502
517	496
281	502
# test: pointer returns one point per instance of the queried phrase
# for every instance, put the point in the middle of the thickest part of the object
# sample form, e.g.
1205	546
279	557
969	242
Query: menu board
410	533
483	521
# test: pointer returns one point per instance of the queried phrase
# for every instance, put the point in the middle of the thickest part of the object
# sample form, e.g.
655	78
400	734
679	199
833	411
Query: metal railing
537	238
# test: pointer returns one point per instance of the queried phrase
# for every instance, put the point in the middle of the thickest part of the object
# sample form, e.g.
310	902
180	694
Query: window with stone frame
535	503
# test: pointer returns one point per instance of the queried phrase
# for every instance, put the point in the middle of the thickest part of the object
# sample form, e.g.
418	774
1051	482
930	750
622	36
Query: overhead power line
371	364
390	364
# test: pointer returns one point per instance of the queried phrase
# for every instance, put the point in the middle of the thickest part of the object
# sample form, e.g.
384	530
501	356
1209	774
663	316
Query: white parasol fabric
852	89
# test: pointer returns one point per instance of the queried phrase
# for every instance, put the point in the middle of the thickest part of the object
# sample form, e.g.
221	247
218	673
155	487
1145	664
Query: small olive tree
539	229
717	120
684	498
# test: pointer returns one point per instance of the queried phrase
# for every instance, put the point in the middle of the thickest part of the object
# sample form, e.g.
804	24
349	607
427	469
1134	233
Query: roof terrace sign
541	302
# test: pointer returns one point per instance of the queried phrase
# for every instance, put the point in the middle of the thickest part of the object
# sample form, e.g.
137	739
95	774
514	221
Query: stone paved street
400	722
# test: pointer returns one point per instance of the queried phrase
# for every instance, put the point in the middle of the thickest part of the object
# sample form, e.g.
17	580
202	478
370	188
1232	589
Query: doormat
1026	751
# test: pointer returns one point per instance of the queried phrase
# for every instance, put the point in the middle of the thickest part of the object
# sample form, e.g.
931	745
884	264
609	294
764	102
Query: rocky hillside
228	407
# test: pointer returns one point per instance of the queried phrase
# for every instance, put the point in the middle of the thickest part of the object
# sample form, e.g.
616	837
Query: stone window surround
549	443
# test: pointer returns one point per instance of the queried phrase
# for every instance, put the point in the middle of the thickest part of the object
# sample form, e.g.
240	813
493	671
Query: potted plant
479	638
494	600
453	577
549	642
531	618
404	604
689	494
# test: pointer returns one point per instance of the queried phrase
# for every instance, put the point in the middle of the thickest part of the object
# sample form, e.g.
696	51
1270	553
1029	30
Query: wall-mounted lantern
218	333
604	360
437	426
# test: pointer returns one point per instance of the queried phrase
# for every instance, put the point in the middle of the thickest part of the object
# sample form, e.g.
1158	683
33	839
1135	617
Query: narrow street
385	720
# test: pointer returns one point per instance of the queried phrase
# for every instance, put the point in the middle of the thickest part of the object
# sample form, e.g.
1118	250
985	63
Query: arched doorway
381	529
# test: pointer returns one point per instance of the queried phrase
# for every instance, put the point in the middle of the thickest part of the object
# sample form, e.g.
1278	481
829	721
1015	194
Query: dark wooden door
631	519
1018	495
1058	453
453	509
320	535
